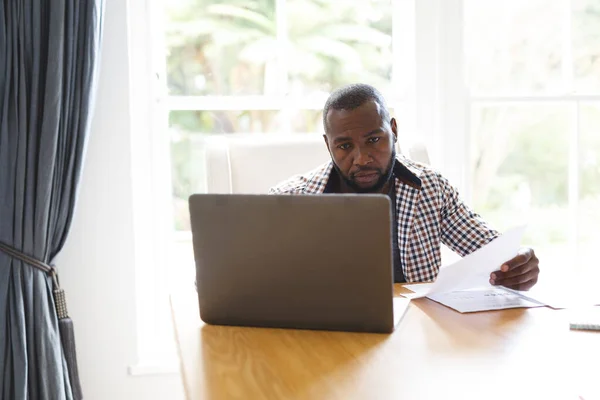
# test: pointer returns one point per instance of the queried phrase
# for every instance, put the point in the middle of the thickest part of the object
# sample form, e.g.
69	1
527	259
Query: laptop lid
307	262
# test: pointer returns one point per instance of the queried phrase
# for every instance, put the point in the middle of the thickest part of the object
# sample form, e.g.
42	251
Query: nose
362	157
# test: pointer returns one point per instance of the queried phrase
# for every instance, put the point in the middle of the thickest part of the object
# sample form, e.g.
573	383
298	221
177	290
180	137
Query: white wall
97	264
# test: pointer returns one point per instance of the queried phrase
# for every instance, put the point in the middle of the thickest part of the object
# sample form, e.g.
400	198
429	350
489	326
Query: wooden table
435	353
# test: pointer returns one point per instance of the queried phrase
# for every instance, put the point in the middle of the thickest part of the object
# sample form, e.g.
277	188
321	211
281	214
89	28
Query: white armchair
255	163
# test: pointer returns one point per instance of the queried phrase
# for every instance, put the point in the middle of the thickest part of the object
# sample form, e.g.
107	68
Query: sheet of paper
419	290
485	299
400	306
474	269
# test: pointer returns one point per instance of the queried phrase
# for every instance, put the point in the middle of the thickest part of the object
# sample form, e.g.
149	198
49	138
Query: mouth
364	179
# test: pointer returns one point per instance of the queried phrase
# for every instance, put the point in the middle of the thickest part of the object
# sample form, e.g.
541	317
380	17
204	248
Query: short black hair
353	96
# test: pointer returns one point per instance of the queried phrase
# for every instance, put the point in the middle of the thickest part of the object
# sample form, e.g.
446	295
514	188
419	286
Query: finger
500	278
521	258
500	275
520	279
525	286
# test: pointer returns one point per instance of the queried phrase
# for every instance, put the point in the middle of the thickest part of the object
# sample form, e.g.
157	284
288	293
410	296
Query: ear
327	143
394	129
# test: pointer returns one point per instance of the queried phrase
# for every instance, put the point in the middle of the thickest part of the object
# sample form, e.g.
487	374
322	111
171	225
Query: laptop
319	262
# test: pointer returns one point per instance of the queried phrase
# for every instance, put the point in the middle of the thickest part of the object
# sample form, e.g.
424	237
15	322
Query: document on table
464	285
474	299
483	299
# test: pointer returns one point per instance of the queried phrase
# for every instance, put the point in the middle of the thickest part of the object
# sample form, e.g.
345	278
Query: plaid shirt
430	212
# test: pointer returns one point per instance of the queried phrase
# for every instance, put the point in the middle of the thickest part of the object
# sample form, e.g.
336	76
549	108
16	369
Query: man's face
362	146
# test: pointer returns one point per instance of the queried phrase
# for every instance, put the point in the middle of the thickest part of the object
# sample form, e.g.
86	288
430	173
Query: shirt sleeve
292	186
463	230
282	189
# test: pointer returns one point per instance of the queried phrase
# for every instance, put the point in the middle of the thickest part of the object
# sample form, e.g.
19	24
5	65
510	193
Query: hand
519	273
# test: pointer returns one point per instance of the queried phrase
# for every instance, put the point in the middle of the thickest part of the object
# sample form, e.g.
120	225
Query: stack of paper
586	319
464	285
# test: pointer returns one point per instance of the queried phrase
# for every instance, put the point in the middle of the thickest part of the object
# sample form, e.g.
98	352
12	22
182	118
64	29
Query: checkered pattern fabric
430	212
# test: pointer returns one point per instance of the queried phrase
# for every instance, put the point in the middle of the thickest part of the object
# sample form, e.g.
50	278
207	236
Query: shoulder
311	182
431	179
435	189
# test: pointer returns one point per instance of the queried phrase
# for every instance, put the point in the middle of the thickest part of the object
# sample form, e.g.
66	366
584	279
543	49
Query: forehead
362	119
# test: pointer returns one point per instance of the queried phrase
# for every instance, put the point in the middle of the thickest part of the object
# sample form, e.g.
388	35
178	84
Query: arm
292	186
278	190
463	230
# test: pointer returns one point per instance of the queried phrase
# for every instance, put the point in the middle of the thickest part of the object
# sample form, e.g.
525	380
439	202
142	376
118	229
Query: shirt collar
404	173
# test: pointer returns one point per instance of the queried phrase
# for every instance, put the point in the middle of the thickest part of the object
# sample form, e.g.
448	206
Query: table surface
434	353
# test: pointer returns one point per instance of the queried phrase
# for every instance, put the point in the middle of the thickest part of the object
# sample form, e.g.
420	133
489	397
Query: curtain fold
49	54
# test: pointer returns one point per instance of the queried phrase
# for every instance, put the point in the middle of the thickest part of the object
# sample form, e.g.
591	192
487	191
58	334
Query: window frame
567	96
150	148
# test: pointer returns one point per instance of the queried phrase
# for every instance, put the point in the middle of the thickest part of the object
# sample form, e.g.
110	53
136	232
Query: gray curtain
49	52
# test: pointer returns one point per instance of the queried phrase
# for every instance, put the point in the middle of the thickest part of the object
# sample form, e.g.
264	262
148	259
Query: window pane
227	121
220	48
187	173
307	121
333	43
187	131
514	45
520	171
187	177
586	43
589	181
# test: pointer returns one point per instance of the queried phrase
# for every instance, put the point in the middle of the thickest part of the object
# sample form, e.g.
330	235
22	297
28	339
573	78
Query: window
532	89
267	66
505	94
533	71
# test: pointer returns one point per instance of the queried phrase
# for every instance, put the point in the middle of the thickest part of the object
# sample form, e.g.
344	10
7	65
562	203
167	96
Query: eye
344	146
373	140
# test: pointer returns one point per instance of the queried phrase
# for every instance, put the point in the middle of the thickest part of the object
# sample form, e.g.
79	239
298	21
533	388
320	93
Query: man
427	210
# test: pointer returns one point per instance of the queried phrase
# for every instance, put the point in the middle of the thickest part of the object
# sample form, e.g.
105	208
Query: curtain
49	53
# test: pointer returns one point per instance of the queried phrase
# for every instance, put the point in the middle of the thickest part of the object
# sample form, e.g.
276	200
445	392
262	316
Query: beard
384	176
